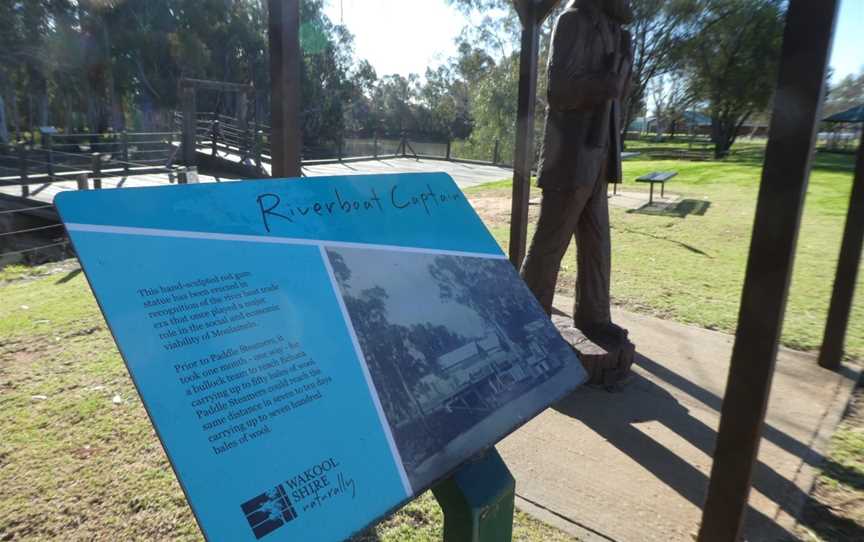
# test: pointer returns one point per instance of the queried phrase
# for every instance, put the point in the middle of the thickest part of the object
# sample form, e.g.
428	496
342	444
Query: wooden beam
205	84
522	7
544	8
284	34
523	157
831	354
190	114
803	64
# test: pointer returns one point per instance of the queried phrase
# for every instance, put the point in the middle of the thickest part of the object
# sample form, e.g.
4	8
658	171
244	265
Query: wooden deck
464	174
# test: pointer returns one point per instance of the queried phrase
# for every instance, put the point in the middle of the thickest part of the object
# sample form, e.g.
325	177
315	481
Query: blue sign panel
313	353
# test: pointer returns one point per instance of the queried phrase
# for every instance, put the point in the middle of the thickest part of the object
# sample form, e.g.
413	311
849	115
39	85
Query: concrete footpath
634	465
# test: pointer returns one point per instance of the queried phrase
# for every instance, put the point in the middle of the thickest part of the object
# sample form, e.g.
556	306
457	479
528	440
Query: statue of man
589	69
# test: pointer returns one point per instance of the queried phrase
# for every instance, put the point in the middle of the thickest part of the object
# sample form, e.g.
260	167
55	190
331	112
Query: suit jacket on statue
589	64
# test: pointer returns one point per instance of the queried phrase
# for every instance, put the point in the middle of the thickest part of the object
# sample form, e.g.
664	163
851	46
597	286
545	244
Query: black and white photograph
457	348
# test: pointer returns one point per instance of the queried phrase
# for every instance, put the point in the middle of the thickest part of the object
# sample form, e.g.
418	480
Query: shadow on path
617	420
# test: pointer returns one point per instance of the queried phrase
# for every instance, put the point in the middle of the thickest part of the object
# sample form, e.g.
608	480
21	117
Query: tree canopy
97	65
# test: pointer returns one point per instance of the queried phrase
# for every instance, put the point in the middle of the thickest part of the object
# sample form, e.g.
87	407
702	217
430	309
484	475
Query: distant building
477	374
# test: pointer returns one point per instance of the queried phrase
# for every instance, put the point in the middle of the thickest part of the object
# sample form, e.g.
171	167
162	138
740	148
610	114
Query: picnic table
654	178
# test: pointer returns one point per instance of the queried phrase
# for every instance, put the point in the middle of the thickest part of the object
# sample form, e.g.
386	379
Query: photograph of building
457	348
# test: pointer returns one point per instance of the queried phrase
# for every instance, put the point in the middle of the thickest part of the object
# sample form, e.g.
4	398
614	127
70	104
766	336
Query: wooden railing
61	157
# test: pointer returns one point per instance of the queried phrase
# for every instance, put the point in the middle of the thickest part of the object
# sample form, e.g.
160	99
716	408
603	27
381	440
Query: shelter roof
854	114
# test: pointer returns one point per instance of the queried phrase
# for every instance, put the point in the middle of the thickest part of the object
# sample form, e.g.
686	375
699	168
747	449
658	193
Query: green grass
75	464
836	508
79	459
691	268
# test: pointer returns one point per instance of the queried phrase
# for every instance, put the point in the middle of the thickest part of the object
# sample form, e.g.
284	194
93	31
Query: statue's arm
571	85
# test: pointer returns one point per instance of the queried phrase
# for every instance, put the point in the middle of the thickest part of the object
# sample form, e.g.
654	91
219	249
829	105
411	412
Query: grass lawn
688	264
79	459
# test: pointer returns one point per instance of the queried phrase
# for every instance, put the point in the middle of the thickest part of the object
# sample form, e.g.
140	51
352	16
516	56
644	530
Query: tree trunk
721	137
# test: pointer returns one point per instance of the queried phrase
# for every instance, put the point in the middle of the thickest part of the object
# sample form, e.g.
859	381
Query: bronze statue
589	70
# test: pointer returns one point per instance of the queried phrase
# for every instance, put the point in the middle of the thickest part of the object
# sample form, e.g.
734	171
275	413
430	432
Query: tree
671	96
658	29
732	52
848	93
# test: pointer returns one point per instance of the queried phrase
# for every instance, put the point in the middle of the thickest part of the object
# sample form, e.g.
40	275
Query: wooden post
375	144
124	141
22	163
495	154
97	170
449	142
47	144
523	155
189	125
831	353
284	34
214	135
800	88
82	181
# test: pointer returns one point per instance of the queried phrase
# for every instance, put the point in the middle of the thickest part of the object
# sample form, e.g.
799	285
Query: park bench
654	178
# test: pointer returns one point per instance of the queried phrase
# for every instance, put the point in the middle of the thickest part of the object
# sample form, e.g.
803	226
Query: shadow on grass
682	209
822	521
69	276
681	244
844	474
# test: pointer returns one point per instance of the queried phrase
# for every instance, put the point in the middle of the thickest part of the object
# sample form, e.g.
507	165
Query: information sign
313	353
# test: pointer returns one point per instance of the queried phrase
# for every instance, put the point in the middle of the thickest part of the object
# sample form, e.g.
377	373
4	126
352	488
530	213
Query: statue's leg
559	214
594	259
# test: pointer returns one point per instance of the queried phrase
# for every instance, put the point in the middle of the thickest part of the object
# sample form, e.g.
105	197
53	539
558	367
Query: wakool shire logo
305	491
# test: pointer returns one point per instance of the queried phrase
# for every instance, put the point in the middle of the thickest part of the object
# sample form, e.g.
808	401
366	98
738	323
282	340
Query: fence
249	141
73	156
31	234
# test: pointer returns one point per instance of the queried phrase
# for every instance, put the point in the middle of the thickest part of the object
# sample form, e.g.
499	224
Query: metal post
523	155
190	125
495	154
800	88
375	144
449	142
284	34
847	272
478	501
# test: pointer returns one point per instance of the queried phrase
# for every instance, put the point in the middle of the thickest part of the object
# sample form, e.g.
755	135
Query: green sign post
478	501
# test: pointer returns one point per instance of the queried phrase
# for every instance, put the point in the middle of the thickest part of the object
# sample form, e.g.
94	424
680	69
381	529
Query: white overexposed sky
399	36
407	36
848	55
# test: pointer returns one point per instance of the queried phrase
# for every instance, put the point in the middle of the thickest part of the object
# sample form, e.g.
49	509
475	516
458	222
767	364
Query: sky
399	276
407	36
